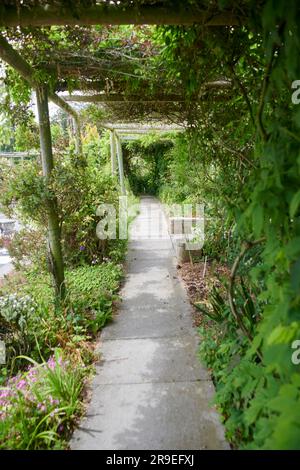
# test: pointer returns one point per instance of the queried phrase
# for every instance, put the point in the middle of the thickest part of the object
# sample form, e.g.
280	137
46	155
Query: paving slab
150	391
162	416
169	359
146	321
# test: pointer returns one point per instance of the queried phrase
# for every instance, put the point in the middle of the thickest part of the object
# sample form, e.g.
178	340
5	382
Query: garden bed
199	279
50	352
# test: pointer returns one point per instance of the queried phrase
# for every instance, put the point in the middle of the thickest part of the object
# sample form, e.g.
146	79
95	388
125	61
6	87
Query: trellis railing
21	156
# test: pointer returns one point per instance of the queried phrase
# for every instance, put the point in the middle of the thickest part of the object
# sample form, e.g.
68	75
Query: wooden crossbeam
18	154
9	55
159	98
119	98
125	134
122	129
112	14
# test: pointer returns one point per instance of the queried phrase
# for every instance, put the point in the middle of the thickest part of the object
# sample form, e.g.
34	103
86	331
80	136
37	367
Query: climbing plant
146	163
248	148
231	86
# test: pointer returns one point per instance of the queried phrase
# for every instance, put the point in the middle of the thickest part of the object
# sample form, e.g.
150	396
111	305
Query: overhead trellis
91	12
122	69
51	46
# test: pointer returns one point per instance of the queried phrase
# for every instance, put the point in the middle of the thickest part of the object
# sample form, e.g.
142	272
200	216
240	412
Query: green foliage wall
242	160
145	163
78	190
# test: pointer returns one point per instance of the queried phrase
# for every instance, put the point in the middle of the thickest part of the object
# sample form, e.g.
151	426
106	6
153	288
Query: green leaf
258	220
293	247
283	334
295	202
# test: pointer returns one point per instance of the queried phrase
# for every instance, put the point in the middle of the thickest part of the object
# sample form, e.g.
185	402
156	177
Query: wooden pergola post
120	164
77	135
113	152
56	265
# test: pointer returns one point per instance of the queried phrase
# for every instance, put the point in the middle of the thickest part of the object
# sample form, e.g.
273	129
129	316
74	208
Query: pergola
90	73
86	68
120	132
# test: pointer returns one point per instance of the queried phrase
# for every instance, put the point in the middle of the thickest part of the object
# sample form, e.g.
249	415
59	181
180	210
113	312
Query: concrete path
150	392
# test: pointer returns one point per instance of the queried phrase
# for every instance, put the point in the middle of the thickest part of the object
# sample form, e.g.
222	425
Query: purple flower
21	384
52	414
41	407
53	401
51	363
82	248
32	375
4	393
14	379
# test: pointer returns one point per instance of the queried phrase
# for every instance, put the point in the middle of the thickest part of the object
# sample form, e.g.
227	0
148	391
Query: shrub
87	308
39	406
15	314
79	190
259	407
28	246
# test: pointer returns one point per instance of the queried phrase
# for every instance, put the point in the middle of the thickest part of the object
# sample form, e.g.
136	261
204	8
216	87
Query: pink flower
41	406
51	363
32	373
21	384
53	401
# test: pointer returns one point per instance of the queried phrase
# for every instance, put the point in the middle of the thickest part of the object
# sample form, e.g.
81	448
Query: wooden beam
77	136
113	152
119	98
19	154
142	128
101	85
110	14
218	84
120	164
83	85
124	134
